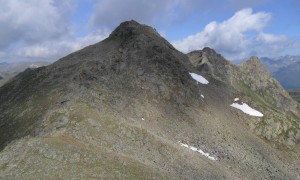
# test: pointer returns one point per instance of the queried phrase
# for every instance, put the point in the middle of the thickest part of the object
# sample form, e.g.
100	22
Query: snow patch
247	109
199	151
199	78
143	119
236	99
202	96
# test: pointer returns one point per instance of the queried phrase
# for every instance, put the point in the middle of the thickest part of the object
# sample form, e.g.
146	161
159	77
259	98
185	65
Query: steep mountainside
133	107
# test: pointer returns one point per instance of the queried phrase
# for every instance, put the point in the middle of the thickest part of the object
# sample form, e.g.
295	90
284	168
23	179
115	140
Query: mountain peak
129	24
209	50
254	60
255	64
130	29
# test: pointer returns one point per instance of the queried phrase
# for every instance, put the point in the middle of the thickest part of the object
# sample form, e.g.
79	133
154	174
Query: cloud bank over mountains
48	29
236	37
40	29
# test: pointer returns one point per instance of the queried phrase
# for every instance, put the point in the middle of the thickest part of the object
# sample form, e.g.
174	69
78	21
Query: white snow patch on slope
202	96
199	151
247	109
199	78
236	99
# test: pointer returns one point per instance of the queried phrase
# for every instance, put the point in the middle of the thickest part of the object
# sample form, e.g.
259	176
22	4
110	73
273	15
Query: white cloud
272	43
231	37
32	21
53	49
270	38
48	29
40	29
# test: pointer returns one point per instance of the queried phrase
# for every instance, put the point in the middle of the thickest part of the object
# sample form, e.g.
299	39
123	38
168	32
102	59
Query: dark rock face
127	107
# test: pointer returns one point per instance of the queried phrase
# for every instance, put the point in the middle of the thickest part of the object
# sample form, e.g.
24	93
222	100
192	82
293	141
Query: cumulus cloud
55	49
270	38
272	43
35	29
31	21
49	29
233	37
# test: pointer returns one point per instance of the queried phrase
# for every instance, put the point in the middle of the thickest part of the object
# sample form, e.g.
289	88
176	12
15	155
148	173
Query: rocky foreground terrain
134	107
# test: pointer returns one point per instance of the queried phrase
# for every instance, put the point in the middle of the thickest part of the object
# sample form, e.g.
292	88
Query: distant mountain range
9	70
285	69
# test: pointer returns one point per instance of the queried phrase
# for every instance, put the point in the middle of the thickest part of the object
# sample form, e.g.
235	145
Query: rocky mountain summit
134	107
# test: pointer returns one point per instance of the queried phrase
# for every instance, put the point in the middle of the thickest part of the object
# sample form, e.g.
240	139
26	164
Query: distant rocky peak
255	67
207	55
253	61
255	70
211	63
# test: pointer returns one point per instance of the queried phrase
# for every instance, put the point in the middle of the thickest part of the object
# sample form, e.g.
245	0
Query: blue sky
237	29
